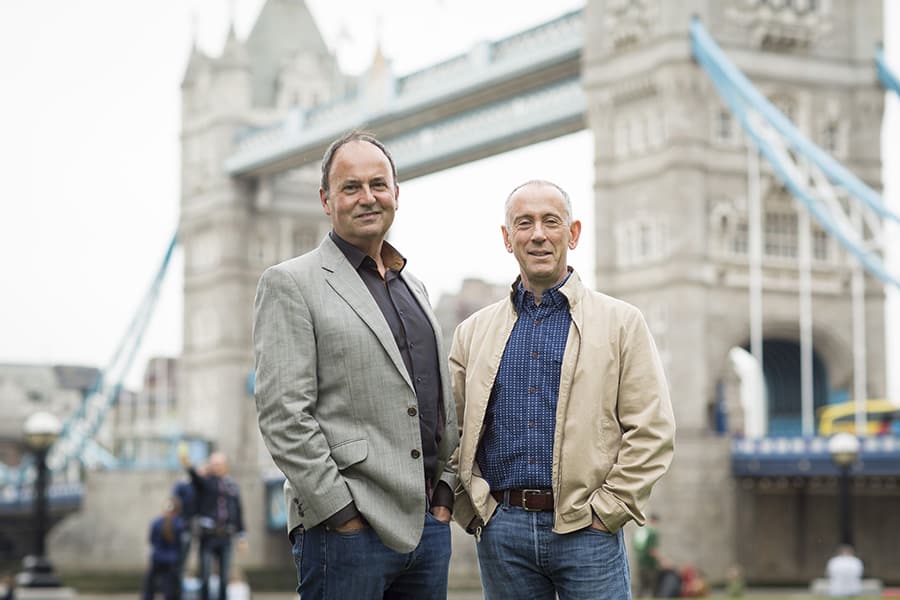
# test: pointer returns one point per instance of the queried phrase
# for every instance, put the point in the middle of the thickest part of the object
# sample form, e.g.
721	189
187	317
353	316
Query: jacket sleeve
286	396
647	424
463	510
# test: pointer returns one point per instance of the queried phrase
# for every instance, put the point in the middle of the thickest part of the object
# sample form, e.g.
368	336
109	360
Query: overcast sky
90	121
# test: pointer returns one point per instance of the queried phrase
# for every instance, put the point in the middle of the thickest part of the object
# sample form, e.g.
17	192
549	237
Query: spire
283	30
234	54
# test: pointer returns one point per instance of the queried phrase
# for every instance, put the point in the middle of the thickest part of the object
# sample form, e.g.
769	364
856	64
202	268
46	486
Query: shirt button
532	389
411	411
534	355
531	424
419	379
537	321
415	453
531	461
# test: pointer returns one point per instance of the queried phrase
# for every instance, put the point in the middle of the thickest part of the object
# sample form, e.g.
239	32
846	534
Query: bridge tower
232	229
671	194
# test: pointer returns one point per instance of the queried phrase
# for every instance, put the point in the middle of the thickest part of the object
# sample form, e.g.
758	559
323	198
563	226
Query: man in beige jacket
566	418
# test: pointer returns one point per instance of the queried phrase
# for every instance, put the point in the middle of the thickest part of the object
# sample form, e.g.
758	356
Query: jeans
337	566
219	547
521	557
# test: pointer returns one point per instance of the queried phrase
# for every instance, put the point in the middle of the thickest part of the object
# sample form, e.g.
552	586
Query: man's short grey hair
352	136
565	195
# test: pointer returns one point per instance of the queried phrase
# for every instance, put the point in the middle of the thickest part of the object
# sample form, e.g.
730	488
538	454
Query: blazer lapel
345	281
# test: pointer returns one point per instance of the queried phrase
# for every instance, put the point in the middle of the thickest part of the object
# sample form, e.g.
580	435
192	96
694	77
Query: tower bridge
675	186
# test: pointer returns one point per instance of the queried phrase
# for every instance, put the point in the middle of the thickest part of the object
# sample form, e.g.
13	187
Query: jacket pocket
349	453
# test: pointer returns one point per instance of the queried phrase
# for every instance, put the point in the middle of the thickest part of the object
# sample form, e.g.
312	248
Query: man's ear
323	197
574	233
506	238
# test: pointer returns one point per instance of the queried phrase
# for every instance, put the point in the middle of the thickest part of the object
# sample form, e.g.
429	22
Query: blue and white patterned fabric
516	451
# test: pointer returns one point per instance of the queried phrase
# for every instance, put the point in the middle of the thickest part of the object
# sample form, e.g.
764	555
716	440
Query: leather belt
530	500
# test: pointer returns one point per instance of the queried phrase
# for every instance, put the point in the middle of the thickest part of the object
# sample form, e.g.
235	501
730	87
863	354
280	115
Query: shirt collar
551	297
393	260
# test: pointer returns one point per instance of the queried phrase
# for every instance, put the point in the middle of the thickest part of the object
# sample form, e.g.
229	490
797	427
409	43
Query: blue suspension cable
887	77
740	95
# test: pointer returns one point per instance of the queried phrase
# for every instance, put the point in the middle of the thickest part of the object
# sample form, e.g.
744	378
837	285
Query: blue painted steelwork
887	77
61	496
809	457
276	517
756	113
76	441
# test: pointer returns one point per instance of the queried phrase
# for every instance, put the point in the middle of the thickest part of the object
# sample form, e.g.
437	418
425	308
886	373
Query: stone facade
671	197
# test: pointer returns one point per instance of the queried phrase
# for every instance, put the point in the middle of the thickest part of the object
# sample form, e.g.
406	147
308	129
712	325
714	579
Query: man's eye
523	225
351	187
552	223
379	185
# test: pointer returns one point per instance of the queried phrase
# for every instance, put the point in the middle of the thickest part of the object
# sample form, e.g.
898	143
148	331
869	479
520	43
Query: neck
537	288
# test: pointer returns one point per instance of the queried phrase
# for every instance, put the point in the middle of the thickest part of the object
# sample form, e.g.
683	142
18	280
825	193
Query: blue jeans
521	557
218	547
338	566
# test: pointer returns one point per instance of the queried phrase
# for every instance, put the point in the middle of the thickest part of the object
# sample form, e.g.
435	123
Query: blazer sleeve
286	393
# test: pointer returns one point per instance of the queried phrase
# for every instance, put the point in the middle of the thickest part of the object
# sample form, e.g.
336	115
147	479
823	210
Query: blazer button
415	453
411	411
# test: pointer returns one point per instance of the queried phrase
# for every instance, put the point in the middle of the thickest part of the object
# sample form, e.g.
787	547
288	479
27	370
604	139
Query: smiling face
362	195
539	234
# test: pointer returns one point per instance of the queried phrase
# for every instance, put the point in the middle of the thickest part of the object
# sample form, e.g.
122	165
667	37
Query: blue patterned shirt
516	450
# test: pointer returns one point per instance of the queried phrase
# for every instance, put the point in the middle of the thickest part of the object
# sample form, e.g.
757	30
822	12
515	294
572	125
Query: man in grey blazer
353	400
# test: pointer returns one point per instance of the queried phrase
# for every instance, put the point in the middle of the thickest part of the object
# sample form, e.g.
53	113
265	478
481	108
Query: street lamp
844	450
41	431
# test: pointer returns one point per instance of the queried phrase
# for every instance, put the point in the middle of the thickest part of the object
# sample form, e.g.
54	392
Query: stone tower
231	230
671	196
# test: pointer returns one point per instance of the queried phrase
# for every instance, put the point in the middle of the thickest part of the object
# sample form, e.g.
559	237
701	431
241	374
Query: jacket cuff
442	496
609	511
342	516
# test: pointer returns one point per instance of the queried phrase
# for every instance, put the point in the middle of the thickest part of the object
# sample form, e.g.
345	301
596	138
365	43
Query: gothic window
641	240
740	239
780	237
831	142
723	128
821	245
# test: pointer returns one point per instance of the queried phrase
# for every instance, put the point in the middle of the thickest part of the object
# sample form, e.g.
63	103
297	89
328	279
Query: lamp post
844	450
41	431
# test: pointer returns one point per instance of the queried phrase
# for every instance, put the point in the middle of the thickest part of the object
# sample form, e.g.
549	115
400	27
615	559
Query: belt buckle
525	500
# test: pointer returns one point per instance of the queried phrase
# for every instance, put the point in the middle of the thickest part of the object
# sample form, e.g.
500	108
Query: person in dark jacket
165	539
184	491
218	518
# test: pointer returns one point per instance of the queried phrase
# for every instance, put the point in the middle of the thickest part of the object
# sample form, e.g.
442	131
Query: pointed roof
234	54
283	29
197	62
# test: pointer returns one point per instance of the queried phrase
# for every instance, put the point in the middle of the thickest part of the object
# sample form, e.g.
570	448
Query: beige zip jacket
614	435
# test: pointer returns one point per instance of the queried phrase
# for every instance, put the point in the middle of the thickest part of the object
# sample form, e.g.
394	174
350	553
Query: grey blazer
333	394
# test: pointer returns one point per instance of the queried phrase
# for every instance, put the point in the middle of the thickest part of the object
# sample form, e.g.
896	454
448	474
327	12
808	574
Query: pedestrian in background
165	541
219	518
646	549
845	571
184	491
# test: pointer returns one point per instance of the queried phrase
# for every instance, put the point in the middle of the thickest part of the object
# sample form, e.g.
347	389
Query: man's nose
368	195
537	232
